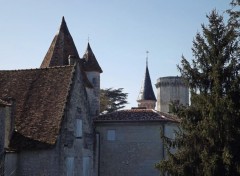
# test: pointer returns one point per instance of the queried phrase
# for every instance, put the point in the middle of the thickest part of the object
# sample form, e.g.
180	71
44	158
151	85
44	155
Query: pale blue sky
120	32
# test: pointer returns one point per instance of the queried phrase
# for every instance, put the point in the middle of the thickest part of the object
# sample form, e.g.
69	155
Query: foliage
209	140
234	13
112	100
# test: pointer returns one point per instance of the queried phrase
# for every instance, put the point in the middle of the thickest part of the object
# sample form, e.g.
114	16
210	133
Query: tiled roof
40	96
4	103
62	46
90	61
146	92
135	115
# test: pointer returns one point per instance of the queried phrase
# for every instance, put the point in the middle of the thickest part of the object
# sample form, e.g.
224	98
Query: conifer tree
208	142
112	100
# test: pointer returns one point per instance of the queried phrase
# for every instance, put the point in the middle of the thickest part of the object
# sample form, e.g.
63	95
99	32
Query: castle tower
146	97
171	89
93	71
61	47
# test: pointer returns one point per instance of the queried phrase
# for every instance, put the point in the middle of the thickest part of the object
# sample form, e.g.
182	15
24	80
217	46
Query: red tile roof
40	97
135	115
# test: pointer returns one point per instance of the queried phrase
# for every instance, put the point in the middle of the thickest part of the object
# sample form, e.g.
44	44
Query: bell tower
146	97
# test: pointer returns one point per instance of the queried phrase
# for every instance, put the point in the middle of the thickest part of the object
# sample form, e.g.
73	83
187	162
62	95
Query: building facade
50	122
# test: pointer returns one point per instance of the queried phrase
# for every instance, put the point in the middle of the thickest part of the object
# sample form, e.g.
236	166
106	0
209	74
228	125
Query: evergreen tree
112	100
208	141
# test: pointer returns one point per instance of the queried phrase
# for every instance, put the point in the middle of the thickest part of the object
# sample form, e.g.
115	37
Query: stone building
129	141
171	89
50	123
52	132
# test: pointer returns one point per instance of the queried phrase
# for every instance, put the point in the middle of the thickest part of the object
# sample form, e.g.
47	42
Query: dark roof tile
61	47
90	61
40	96
135	115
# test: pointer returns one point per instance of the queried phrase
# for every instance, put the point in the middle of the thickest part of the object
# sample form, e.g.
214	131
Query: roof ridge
45	68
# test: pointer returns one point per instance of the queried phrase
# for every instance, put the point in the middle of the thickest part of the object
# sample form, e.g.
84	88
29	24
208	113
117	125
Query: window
94	81
70	166
111	135
86	166
78	128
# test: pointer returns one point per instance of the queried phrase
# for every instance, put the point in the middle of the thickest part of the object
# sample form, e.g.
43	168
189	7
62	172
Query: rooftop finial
147	58
88	38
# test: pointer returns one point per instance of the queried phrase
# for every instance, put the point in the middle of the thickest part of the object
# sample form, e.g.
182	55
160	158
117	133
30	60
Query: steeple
146	97
61	47
90	61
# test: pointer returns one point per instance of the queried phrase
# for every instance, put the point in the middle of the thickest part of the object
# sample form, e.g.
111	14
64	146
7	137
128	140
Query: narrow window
111	135
78	128
70	166
86	166
94	81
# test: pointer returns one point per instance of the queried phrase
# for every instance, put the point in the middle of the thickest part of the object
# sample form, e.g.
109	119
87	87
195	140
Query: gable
40	96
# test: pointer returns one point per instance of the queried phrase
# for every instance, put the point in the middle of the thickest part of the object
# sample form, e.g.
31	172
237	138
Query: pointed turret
146	96
91	63
61	47
93	71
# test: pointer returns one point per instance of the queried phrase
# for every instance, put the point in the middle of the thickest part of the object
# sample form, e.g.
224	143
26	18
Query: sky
119	32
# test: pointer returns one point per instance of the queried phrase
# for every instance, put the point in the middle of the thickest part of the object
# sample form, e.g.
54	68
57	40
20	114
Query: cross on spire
147	58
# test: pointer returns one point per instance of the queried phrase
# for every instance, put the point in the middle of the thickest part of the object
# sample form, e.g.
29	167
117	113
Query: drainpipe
98	154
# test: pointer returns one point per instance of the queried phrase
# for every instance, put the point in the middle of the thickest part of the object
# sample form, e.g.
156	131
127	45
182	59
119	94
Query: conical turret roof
61	47
90	61
146	92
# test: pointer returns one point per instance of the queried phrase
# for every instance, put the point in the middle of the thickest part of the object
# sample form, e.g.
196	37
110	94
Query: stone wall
73	152
2	137
77	131
133	151
94	94
171	89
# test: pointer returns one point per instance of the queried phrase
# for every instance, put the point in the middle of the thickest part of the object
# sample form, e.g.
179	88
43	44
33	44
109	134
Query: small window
111	135
78	128
70	166
94	81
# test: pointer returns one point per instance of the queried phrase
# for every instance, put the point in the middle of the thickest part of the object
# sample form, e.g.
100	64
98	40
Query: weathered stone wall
134	152
74	144
2	138
34	162
94	94
171	89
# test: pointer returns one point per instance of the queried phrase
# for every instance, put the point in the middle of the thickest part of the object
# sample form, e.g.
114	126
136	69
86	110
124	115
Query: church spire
61	47
146	96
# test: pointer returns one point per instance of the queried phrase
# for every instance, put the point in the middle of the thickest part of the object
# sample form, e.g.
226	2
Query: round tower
171	89
93	71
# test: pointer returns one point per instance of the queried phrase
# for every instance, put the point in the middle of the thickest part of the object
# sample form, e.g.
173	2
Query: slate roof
90	61
146	92
61	47
40	96
136	115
